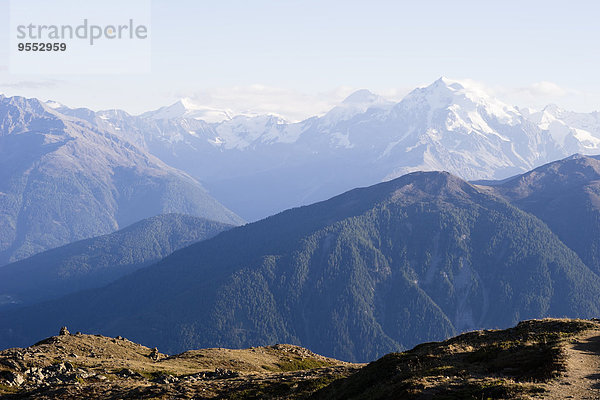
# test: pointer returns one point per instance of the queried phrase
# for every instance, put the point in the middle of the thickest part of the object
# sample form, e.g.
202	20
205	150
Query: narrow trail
582	377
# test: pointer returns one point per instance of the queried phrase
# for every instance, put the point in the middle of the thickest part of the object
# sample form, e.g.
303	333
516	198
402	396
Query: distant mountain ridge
100	260
373	270
449	125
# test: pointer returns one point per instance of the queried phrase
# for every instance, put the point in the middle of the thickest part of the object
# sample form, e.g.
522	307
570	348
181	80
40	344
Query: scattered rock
219	373
11	364
64	331
154	354
165	378
42	371
127	373
35	374
11	378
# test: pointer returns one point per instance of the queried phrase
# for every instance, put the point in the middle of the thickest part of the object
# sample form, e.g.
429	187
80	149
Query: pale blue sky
299	57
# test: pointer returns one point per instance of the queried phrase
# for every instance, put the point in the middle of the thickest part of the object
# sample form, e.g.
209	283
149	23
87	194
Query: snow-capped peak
465	98
356	103
445	82
362	96
54	104
553	109
364	99
186	108
445	91
567	128
545	116
188	104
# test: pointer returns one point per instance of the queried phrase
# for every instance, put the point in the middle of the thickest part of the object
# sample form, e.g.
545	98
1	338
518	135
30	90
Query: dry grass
118	368
497	364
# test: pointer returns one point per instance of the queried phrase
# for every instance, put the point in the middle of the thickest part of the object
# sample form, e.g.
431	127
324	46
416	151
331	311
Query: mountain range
420	256
63	179
69	174
373	270
449	125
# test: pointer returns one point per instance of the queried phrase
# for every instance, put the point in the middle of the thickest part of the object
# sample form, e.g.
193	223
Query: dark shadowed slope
565	195
95	262
524	362
371	271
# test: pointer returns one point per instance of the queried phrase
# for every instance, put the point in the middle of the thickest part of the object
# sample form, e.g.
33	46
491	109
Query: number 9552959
42	46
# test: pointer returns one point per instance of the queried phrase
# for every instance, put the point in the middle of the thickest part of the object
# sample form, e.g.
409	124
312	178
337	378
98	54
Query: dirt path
582	377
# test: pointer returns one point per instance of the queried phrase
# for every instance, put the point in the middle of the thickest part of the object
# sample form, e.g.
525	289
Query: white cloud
536	95
395	94
46	83
539	94
543	89
260	99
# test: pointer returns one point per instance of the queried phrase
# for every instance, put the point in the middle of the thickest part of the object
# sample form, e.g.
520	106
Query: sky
300	58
